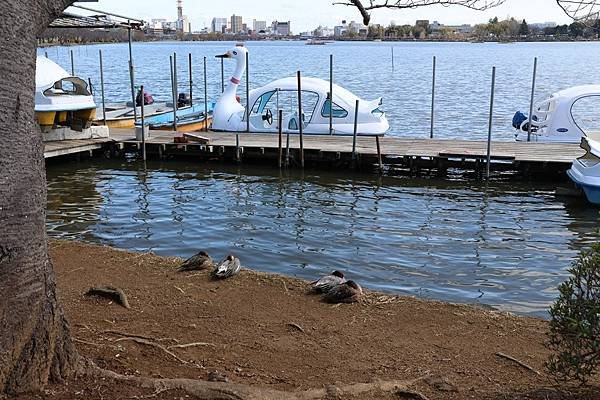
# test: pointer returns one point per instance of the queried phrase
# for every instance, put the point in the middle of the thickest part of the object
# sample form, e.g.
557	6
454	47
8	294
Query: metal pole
102	87
287	148
300	124
237	147
191	78
173	95
433	97
379	154
331	94
205	99
175	90
222	76
72	64
143	127
392	58
91	86
132	76
248	92
46	54
355	131
489	142
280	130
535	61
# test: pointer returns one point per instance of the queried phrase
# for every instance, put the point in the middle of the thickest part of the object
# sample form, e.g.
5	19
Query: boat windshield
68	86
287	101
586	116
338	112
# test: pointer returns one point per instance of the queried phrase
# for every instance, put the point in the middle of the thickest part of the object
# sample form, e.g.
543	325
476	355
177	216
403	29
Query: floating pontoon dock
415	154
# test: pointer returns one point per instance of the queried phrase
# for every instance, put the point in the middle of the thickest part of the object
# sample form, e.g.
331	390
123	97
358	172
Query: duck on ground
227	268
327	282
197	262
347	292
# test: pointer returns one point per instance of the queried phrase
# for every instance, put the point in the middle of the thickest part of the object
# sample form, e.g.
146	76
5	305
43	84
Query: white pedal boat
230	115
552	118
585	172
61	99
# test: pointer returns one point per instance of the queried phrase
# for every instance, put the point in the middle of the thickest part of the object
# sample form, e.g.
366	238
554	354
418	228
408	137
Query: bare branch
364	6
581	10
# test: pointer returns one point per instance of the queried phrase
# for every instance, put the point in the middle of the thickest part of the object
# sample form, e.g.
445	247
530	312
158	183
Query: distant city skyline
309	14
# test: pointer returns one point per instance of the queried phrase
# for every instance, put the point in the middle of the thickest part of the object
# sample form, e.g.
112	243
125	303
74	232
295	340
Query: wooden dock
395	151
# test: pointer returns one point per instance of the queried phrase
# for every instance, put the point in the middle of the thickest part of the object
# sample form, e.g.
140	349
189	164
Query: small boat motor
184	100
521	122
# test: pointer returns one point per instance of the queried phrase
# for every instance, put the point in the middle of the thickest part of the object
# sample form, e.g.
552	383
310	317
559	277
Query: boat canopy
57	90
553	120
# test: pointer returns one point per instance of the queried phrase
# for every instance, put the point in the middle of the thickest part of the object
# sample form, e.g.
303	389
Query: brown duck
326	283
347	292
197	262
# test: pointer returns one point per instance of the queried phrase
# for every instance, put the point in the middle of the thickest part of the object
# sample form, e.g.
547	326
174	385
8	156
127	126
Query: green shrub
575	323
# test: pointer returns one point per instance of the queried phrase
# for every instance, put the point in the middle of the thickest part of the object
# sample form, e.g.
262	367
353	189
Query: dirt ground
265	330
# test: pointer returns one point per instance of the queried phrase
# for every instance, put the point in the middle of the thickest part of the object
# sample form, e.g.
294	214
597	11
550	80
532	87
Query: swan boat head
228	113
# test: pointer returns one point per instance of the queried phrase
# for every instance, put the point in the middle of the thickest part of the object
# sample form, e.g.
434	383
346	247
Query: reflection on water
456	241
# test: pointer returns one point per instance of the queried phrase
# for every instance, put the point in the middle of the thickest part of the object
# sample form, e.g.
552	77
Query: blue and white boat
585	172
189	119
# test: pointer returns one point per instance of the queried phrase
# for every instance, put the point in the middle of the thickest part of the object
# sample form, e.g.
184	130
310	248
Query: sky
306	15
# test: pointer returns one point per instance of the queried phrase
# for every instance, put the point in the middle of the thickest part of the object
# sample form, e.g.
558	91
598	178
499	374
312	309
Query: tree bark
35	345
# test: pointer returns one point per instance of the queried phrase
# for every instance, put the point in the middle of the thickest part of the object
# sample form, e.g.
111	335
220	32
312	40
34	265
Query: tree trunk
34	336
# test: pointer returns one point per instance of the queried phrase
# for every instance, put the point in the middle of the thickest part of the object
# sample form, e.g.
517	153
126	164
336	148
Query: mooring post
205	99
143	126
433	98
331	94
280	131
46	53
248	92
132	75
91	86
287	148
355	132
489	141
191	78
102	87
535	61
379	154
174	99
222	76
237	147
392	58
300	120
72	64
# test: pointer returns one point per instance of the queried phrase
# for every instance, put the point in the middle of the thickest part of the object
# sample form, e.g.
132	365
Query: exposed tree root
234	391
521	363
152	344
115	294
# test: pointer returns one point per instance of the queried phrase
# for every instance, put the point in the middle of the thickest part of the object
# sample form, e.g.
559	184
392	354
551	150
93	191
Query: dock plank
562	153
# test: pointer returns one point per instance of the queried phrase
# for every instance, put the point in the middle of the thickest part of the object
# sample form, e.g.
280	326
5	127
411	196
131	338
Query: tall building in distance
281	28
258	26
219	25
236	23
183	24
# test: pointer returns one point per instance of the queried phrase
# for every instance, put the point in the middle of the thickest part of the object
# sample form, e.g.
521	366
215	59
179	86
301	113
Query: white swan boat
552	118
282	94
585	172
61	100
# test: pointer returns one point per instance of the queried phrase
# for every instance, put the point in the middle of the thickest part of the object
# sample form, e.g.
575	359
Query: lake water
506	245
463	89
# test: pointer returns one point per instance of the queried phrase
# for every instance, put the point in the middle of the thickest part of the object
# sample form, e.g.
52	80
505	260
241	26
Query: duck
228	113
197	262
227	268
347	292
327	282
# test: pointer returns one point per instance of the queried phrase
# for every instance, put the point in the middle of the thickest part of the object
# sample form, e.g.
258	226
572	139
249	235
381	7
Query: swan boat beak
226	55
